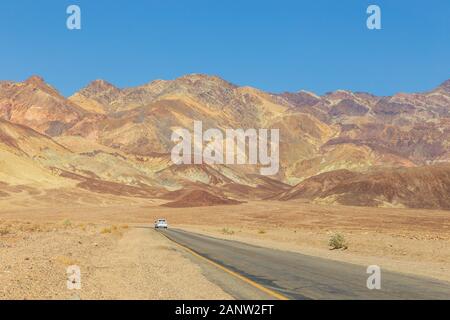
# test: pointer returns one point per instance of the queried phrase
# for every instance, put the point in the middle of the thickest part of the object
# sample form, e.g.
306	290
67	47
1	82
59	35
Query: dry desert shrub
227	231
4	231
115	230
30	227
67	223
337	241
261	231
106	230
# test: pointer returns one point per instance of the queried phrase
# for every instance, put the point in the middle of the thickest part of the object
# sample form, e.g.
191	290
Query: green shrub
67	223
337	241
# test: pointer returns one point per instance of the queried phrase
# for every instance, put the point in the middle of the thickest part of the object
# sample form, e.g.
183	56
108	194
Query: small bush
67	223
227	231
261	231
337	241
4	231
106	230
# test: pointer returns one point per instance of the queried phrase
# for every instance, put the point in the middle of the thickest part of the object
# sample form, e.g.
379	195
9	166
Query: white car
161	224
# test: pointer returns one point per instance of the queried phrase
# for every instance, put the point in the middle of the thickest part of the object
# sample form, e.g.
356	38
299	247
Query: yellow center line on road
270	292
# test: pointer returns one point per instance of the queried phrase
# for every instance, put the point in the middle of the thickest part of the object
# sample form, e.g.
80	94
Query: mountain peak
197	76
35	80
445	85
308	93
205	78
100	84
339	95
39	82
99	87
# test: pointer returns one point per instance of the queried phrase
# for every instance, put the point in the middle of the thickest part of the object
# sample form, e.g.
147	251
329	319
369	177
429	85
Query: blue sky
319	45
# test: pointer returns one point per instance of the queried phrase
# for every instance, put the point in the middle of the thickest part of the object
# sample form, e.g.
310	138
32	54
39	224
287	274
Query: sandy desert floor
116	262
404	240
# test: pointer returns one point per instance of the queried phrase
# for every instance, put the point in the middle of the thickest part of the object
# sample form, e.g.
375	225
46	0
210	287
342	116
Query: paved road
299	276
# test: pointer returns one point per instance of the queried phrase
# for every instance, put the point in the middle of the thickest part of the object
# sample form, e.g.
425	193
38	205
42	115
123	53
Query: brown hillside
422	187
200	198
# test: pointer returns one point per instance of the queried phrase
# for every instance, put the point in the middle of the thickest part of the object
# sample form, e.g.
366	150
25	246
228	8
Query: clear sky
283	45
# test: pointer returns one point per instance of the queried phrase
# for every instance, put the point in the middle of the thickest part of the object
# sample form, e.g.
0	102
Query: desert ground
116	262
104	235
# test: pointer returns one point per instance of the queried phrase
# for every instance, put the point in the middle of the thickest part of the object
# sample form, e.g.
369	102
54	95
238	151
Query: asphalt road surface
298	276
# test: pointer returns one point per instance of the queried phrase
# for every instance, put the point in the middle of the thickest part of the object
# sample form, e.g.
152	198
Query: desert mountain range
343	147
